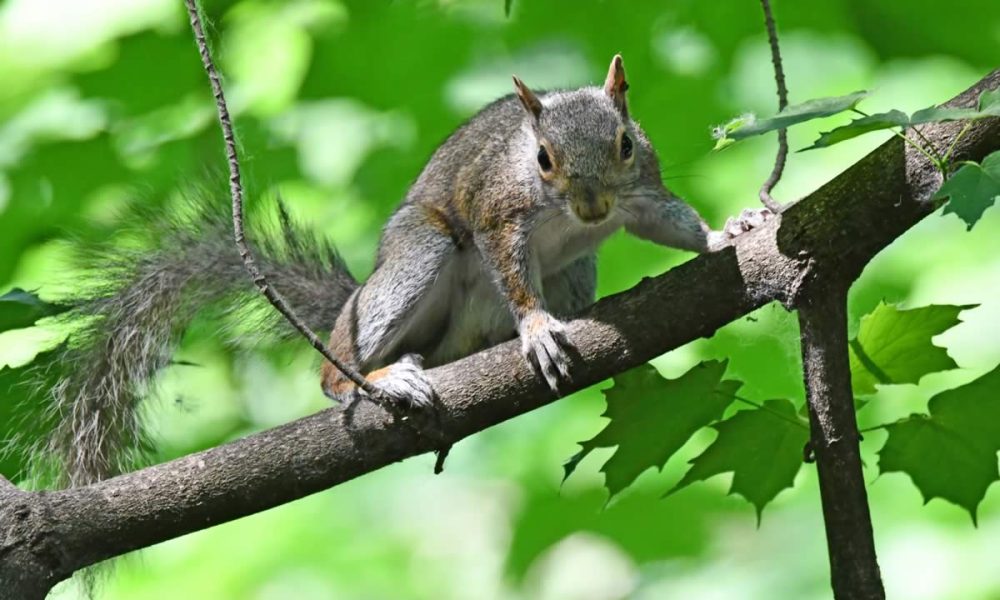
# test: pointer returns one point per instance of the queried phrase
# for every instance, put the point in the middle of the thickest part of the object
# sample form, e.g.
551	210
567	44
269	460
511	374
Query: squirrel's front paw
544	343
406	382
750	218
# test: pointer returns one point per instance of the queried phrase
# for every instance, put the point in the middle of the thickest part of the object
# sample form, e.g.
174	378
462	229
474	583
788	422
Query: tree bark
823	324
46	536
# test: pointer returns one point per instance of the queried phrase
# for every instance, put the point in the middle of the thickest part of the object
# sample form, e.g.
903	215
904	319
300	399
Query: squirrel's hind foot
406	382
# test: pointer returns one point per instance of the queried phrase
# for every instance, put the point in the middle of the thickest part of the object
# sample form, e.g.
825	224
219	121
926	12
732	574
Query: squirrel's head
585	145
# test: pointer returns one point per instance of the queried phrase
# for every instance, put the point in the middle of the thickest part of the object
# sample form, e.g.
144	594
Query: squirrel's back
470	159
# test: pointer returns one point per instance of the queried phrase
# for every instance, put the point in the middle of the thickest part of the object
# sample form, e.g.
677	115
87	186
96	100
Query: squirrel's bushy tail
137	300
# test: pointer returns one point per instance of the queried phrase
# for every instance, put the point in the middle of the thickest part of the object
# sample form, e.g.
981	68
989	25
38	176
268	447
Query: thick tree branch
823	325
837	229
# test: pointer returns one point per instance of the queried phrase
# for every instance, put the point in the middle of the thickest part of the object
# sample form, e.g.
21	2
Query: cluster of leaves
971	188
950	452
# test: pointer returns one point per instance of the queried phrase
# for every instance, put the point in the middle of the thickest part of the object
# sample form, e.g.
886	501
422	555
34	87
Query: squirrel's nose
592	206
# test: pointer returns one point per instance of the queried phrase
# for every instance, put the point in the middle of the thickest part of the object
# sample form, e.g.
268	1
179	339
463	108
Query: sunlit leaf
652	417
988	106
761	447
876	122
894	345
972	189
744	127
950	453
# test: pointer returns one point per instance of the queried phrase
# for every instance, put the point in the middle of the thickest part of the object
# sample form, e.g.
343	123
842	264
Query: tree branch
236	193
823	324
837	229
779	79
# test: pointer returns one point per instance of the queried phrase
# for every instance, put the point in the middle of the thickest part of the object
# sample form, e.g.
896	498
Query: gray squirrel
495	239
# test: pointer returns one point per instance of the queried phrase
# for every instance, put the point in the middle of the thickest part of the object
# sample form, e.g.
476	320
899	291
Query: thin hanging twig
779	79
236	191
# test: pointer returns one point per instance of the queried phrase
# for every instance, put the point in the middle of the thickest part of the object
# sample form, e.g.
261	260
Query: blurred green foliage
338	105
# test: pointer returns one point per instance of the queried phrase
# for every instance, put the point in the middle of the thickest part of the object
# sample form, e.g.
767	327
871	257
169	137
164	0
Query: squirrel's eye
543	159
626	147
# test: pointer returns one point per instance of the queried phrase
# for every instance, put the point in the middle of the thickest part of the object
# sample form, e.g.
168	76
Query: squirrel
495	239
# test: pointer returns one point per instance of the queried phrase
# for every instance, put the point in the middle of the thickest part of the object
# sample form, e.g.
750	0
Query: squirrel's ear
528	98
615	85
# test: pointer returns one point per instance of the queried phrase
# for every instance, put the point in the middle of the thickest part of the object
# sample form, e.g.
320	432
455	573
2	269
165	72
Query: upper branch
779	81
836	231
236	193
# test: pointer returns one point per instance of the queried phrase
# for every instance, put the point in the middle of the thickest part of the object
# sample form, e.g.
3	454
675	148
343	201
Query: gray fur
485	246
136	303
483	230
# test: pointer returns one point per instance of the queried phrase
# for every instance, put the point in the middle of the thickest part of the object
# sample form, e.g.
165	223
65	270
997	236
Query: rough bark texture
46	536
823	324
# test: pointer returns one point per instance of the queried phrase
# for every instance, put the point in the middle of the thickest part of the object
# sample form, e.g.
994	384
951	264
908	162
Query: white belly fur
478	315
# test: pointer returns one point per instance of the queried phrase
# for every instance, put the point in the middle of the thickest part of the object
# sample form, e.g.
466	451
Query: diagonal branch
837	229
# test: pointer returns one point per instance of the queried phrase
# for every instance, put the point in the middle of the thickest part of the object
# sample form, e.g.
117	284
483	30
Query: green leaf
746	126
506	7
989	106
762	448
950	453
652	417
893	345
19	309
972	189
941	114
876	122
989	102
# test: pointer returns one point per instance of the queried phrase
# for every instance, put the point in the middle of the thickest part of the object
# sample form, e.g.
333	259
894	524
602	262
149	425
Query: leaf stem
874	428
772	411
930	145
951	148
931	157
930	152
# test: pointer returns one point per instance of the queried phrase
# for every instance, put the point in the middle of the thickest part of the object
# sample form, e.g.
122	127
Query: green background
338	104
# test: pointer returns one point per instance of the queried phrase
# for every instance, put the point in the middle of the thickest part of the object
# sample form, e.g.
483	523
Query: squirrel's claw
749	218
544	344
406	383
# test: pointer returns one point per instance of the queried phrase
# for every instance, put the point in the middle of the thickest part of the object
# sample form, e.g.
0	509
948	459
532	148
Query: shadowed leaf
19	309
972	189
652	417
950	453
761	449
